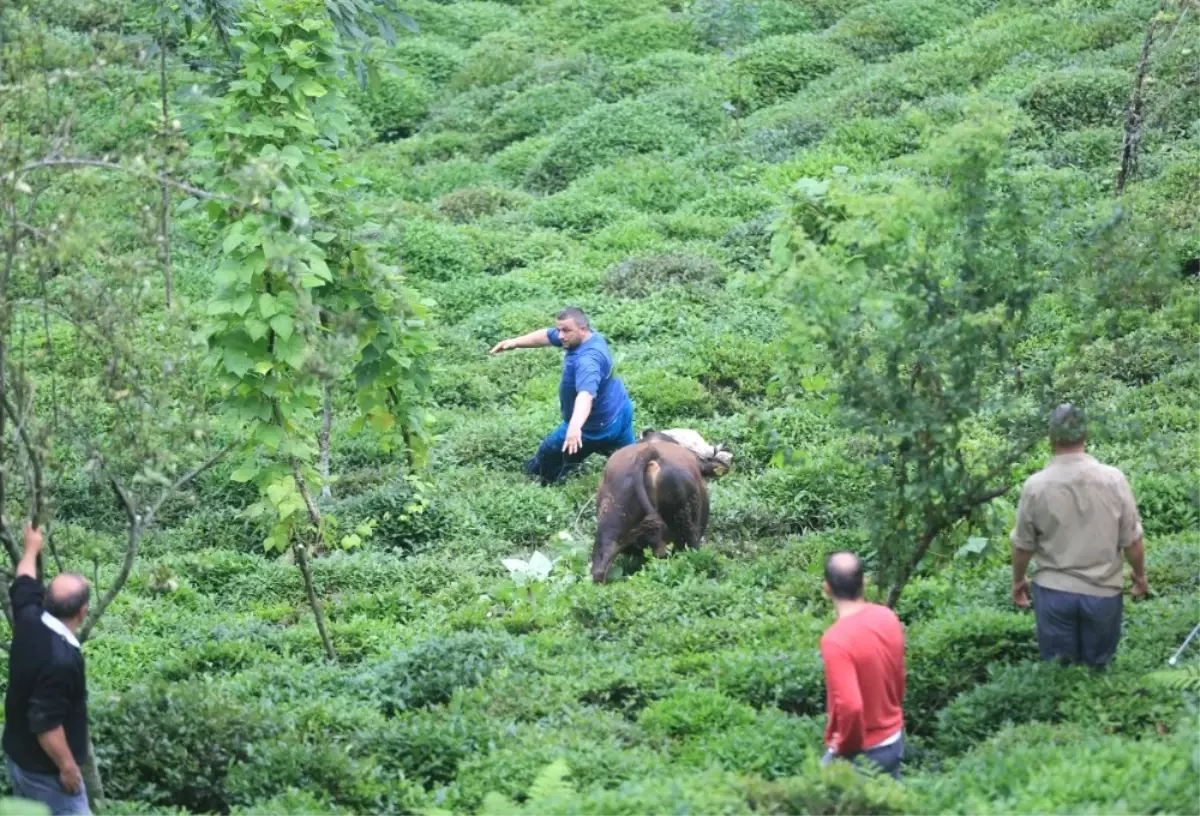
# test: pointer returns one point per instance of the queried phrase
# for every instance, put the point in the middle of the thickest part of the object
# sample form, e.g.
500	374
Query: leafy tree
916	293
300	297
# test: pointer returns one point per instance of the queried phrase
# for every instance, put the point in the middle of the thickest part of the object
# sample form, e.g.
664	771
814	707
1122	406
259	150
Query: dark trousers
552	464
887	757
1077	628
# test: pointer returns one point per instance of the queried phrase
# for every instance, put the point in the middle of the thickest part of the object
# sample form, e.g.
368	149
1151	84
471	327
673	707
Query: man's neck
844	609
1067	450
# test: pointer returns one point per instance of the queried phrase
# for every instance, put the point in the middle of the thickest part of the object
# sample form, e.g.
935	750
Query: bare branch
35	462
182	482
137	526
157	177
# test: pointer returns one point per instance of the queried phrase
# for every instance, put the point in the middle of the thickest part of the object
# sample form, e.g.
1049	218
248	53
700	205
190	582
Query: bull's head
604	552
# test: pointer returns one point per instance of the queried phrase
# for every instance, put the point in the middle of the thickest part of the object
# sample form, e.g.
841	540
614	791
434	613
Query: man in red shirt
863	653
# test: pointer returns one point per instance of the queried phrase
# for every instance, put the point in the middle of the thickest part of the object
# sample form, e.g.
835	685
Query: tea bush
397	109
1079	98
639	277
601	134
778	67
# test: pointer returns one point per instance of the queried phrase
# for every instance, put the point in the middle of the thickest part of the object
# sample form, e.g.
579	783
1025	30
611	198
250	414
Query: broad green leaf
267	305
187	204
237	362
257	329
270	435
311	87
319	268
241	304
282	325
234	239
245	473
291	156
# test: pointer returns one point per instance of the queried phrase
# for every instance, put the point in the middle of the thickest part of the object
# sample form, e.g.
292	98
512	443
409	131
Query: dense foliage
864	243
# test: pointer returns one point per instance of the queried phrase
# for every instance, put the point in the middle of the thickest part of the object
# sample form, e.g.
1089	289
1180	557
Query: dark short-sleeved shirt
589	367
46	684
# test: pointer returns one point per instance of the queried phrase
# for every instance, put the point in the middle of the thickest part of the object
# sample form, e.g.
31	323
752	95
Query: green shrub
461	23
949	655
1167	502
836	789
404	520
664	399
879	30
646	183
664	69
434	251
496	58
597	747
429	181
429	57
535	110
773	746
360	784
427	674
778	67
741	201
1025	692
640	277
693	712
398	106
570	20
470	203
576	212
602	134
632	39
174	744
292	802
793	683
1077	98
514	161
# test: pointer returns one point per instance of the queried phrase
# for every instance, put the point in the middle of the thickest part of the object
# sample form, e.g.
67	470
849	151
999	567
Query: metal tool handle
1175	657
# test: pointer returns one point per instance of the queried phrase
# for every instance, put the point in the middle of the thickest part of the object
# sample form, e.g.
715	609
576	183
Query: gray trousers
47	789
887	757
1077	628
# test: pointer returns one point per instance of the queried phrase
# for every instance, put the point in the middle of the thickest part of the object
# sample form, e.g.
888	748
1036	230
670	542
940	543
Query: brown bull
653	494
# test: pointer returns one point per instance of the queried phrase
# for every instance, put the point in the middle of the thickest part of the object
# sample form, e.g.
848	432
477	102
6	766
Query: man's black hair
574	313
845	579
65	605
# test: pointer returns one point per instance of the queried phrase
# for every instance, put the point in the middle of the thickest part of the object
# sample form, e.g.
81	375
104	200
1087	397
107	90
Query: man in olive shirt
1078	517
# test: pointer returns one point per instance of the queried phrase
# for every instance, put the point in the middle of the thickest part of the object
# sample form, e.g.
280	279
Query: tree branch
137	526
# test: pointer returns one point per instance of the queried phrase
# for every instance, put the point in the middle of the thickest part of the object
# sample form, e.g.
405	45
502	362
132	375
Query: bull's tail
652	525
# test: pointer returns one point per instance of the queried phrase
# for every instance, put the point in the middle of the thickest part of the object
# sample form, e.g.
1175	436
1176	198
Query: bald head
844	574
67	596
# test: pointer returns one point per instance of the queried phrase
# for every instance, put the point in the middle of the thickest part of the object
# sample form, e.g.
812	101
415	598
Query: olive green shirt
1077	516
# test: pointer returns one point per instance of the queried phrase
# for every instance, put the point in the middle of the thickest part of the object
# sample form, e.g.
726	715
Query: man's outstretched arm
534	339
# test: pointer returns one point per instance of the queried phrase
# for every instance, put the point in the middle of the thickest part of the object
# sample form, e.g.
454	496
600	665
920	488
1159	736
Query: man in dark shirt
597	414
46	722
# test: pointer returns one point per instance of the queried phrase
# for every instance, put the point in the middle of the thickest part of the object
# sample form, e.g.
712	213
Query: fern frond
1184	678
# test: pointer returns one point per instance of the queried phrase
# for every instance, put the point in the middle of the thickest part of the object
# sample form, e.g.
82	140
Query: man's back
1076	515
865	678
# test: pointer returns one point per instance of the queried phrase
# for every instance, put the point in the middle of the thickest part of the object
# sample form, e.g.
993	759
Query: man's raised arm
32	545
534	339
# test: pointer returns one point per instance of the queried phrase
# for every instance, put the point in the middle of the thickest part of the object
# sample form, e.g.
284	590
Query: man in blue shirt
597	414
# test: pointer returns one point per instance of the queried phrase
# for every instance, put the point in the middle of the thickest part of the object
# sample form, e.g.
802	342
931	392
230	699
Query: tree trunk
92	780
164	212
1133	114
323	441
314	516
302	560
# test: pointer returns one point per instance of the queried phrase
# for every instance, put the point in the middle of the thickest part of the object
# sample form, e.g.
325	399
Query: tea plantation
645	160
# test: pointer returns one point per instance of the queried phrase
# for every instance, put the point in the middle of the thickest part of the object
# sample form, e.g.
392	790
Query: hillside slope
632	157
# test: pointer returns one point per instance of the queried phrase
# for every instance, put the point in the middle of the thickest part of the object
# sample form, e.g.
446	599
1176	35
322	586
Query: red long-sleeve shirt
864	679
